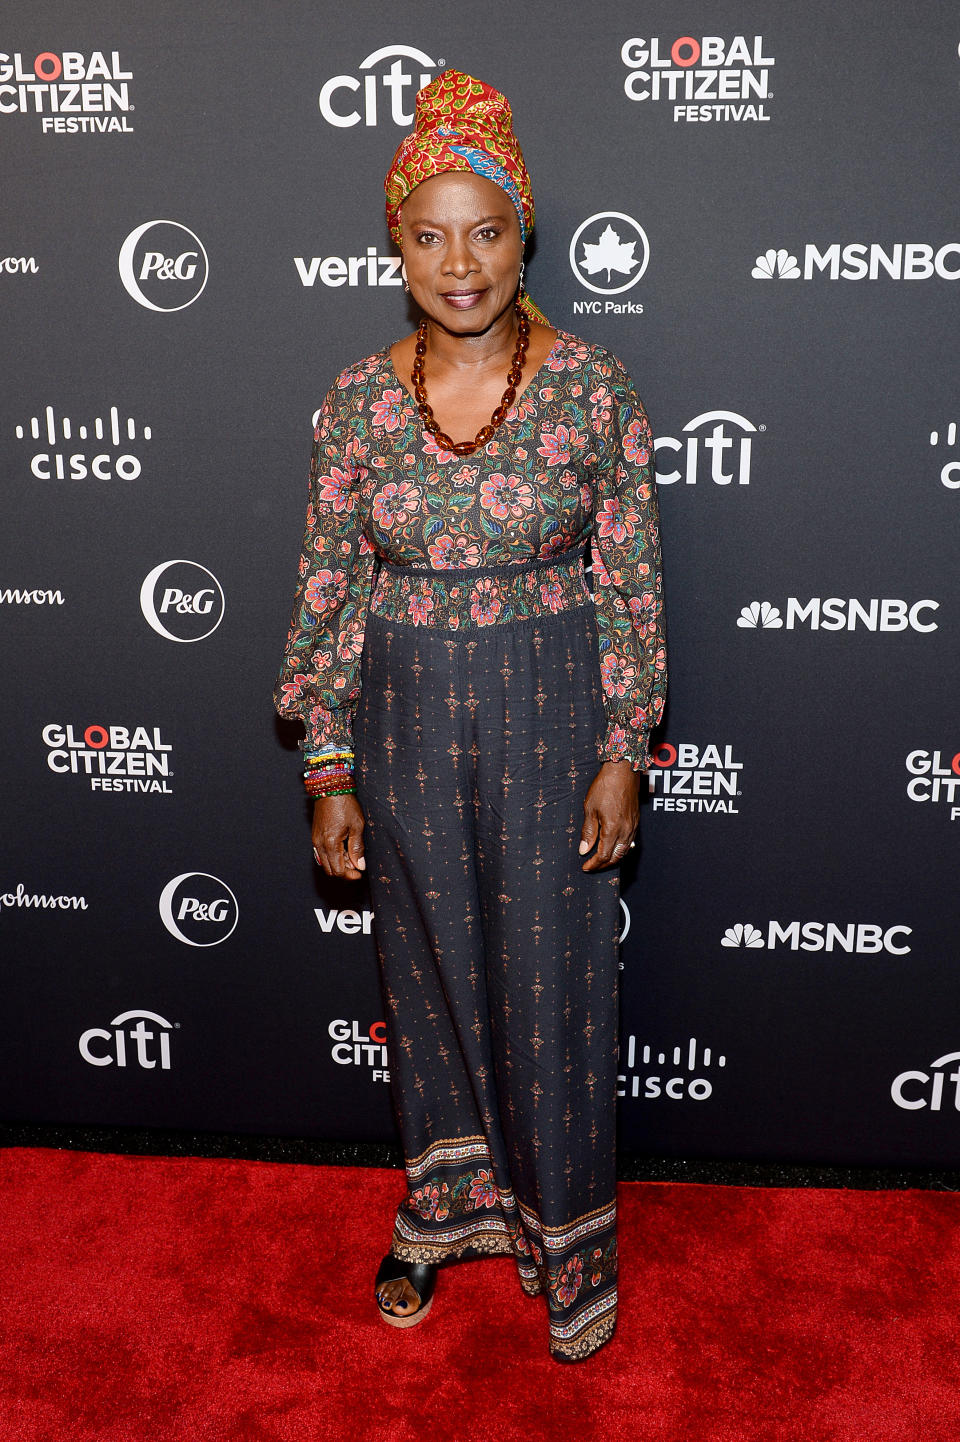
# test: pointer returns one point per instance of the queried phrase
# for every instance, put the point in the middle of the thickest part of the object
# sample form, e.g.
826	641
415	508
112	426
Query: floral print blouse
391	515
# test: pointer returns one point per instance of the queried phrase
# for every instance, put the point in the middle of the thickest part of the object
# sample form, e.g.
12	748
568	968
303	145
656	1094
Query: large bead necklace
467	448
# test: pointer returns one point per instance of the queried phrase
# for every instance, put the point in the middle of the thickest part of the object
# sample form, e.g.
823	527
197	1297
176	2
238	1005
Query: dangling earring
520	287
403	276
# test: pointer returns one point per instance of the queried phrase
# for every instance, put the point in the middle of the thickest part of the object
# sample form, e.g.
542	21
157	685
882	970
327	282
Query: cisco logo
949	473
105	455
675	1075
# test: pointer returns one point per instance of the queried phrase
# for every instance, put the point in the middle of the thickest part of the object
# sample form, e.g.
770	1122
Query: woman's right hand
338	836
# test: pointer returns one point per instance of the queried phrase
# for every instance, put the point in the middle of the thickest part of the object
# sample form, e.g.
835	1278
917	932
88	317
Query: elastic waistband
457	575
468	597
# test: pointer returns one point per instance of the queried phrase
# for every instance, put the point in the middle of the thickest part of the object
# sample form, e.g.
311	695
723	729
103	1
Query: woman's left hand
611	814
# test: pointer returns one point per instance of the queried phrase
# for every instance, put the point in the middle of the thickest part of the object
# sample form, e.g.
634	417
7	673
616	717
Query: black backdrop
184	189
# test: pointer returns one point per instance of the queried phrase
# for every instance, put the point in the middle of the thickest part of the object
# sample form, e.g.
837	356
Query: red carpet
154	1299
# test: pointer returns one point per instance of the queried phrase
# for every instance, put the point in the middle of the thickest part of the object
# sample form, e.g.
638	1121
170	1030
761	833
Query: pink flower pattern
571	468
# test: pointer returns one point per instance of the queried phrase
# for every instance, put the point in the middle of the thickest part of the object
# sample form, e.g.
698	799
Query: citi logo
837	614
688	777
862	937
163	265
151	1043
182	601
354	1046
660	1083
950	473
390	89
916	1090
334	270
58	460
198	909
712	455
862	262
18	265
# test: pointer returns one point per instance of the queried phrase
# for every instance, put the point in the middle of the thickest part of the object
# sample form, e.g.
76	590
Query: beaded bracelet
330	773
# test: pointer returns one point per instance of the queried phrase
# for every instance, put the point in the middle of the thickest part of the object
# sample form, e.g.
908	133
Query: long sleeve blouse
571	466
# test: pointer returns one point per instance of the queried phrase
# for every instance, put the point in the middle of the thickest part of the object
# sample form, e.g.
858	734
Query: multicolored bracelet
329	773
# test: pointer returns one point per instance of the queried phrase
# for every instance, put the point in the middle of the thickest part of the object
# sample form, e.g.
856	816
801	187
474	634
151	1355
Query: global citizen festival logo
835	613
715	78
950	473
109	456
375	95
354	1046
729	455
163	265
671	1081
72	92
199	909
114	758
100	1047
691	778
862	262
863	938
609	253
935	779
182	601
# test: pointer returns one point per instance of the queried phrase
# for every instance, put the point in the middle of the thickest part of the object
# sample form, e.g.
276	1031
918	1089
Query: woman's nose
460	260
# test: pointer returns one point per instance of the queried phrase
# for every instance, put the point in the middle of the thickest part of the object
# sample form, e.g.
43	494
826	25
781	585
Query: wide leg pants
499	955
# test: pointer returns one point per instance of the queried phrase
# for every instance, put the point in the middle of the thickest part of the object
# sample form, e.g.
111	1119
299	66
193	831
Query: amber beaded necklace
485	433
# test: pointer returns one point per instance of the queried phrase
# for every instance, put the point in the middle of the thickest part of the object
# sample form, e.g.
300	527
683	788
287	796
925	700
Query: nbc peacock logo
776	265
760	616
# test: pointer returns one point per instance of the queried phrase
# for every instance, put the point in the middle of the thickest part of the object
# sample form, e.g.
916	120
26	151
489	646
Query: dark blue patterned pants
499	955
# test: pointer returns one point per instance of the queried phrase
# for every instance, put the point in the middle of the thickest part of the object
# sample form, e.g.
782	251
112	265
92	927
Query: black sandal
422	1277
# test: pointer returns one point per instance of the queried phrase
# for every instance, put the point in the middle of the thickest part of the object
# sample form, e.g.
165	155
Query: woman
475	722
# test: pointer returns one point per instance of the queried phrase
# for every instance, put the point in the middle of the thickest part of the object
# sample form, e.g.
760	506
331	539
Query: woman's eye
489	232
426	236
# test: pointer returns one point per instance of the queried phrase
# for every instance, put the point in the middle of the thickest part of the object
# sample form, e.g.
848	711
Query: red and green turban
461	124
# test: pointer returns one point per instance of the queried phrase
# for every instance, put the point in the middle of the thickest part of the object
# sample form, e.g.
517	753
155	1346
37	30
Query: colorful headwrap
461	124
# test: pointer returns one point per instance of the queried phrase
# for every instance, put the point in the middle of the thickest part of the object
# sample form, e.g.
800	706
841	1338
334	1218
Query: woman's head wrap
461	124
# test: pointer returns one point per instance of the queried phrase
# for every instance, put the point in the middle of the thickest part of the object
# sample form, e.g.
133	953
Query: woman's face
462	250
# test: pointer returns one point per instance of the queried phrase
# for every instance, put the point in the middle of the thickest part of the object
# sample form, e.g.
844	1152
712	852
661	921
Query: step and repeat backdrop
756	211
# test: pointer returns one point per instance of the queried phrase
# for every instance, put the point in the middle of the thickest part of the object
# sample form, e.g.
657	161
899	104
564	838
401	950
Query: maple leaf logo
609	253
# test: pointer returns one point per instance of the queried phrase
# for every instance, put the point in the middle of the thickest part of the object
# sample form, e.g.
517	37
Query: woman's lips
462	299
